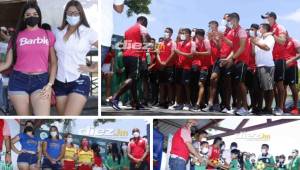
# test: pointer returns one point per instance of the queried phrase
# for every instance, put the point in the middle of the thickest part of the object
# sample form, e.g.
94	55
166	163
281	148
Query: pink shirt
33	50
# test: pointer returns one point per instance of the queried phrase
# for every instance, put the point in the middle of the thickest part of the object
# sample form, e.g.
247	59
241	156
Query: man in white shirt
264	44
107	25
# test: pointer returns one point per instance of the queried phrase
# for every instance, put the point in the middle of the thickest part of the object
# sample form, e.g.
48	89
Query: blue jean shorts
25	84
79	86
177	164
28	158
47	164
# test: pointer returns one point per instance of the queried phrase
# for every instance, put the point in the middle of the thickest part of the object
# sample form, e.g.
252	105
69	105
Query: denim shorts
79	86
47	164
177	164
28	158
25	84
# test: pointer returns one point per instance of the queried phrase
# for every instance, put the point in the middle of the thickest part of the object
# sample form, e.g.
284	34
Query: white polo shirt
72	53
106	18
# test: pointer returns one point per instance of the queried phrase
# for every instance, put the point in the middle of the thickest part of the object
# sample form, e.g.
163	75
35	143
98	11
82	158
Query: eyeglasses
73	13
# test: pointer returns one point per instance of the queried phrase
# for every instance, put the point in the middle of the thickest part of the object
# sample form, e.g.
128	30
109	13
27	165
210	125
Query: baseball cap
269	14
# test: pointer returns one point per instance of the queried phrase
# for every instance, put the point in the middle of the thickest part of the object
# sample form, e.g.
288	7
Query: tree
137	7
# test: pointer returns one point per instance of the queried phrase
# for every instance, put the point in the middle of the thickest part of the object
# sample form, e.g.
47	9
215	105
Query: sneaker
178	107
197	108
172	107
115	104
208	108
278	112
217	108
225	110
232	111
187	107
242	112
295	111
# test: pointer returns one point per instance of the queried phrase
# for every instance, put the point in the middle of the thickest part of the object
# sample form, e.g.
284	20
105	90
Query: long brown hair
83	20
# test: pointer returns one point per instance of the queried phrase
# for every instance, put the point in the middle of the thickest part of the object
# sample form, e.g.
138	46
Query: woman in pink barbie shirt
30	51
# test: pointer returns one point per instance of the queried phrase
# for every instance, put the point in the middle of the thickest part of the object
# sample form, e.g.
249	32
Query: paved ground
154	111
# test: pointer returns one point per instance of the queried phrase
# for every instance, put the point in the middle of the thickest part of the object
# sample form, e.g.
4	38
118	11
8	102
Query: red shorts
84	167
69	165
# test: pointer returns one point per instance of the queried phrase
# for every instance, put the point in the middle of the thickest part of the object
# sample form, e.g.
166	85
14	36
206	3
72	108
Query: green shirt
295	164
234	165
111	164
248	165
125	162
268	160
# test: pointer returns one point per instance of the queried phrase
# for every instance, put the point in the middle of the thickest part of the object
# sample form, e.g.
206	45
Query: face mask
233	147
252	33
136	134
252	158
53	134
69	140
203	139
223	147
230	25
167	35
204	150
182	37
224	22
263	151
28	129
222	28
85	143
209	30
193	34
294	154
266	21
281	160
32	21
124	147
73	20
259	34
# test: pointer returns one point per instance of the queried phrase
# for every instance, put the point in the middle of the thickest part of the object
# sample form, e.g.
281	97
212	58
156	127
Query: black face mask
28	129
32	21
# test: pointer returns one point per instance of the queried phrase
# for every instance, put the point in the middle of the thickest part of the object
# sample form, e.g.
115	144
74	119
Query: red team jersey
279	49
184	61
291	50
203	62
225	48
238	34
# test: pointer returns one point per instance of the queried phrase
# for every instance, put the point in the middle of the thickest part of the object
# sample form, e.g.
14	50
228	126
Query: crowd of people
212	71
39	59
57	152
200	155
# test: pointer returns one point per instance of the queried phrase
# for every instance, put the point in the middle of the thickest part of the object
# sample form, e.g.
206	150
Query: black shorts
144	69
224	71
204	75
166	75
239	71
178	75
195	73
280	67
186	76
291	75
132	68
251	80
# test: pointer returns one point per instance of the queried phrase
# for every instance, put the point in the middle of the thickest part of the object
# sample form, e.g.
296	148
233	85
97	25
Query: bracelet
8	152
50	84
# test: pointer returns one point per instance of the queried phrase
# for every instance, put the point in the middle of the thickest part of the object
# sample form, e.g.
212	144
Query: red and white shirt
279	49
187	47
291	50
240	33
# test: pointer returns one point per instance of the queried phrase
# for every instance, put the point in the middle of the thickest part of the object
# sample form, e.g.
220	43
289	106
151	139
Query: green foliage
137	7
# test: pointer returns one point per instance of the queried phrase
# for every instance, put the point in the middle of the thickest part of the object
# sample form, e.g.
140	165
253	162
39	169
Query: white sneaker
225	110
172	107
278	112
242	112
186	107
232	111
120	103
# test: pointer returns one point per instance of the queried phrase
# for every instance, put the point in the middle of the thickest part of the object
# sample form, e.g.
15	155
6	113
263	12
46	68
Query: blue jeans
177	164
104	51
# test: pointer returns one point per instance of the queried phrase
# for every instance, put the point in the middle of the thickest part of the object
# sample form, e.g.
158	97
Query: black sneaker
115	104
178	107
196	108
208	108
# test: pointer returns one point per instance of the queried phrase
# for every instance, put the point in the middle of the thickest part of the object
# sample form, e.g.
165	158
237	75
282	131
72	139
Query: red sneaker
295	111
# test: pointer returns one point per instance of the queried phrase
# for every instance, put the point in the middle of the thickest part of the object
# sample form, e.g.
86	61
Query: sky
197	13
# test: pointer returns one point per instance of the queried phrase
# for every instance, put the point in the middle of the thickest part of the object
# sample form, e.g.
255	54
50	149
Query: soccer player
280	36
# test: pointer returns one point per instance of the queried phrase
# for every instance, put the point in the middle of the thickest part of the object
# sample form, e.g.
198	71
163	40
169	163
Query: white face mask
294	154
53	134
281	160
136	134
223	147
253	158
266	21
233	147
124	148
73	20
203	139
259	34
167	35
222	28
182	37
69	140
230	25
204	150
252	33
224	22
193	34
263	151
